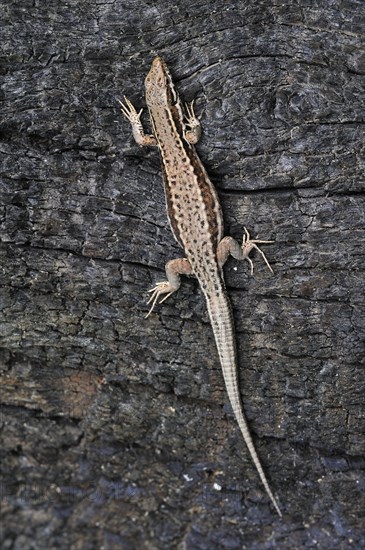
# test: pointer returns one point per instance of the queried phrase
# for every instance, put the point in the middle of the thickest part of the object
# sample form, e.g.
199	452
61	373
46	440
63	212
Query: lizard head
159	87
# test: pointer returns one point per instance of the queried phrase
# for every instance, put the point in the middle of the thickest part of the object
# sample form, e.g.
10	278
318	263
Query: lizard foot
248	244
161	288
130	112
192	130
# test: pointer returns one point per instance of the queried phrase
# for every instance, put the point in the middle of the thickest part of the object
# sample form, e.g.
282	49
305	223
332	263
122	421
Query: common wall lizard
197	223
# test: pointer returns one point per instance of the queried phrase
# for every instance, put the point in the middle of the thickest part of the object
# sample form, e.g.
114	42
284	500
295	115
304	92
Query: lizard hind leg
228	246
173	268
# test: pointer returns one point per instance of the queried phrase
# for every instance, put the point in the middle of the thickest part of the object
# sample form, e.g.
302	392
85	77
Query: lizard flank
197	223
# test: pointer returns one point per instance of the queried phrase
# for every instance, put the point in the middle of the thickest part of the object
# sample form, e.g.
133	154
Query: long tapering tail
221	317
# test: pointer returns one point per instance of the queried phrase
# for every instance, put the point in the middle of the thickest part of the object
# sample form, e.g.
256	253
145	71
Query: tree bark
116	432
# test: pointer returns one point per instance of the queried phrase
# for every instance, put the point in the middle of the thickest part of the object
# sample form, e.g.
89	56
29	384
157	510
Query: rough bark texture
115	430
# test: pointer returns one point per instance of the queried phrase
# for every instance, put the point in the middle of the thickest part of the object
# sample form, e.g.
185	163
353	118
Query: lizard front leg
192	130
228	246
134	118
173	268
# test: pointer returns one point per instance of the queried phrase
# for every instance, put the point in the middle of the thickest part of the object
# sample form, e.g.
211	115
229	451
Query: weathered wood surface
115	430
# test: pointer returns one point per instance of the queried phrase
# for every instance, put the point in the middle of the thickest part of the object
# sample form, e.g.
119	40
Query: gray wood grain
116	431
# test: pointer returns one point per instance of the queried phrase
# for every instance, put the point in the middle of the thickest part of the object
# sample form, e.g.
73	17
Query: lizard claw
192	130
129	111
248	244
134	117
163	287
191	117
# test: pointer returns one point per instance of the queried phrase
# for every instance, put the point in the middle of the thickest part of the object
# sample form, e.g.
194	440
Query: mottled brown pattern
68	393
192	203
196	220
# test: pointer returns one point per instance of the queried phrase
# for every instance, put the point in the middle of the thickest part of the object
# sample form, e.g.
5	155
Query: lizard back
196	220
192	202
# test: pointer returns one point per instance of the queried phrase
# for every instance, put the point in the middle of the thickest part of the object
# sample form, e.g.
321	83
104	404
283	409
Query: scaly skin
197	223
